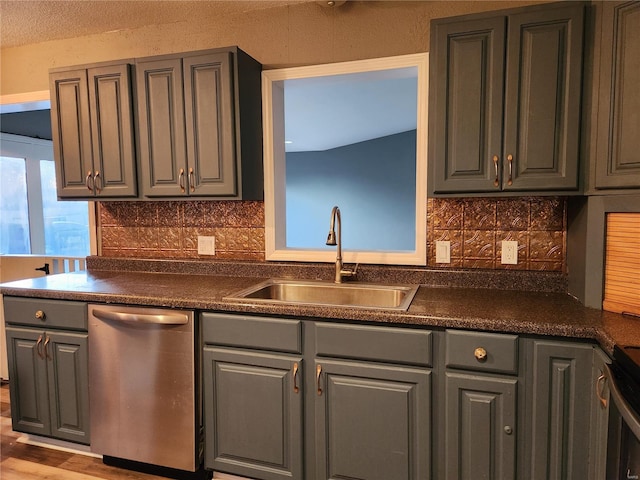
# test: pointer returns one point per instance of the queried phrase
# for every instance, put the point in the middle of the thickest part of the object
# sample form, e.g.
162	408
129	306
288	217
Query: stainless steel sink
308	292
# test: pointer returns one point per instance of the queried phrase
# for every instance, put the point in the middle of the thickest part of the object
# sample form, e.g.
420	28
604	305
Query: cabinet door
253	414
599	418
161	127
70	128
28	381
480	427
68	380
210	132
112	131
542	99
372	421
560	392
465	101
618	144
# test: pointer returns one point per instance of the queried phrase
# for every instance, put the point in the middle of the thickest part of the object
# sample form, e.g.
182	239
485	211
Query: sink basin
308	292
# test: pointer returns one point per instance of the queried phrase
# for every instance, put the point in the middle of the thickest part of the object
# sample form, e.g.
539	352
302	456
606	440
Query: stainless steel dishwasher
143	386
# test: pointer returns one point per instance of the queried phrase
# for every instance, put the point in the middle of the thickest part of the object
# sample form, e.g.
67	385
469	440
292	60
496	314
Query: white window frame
10	146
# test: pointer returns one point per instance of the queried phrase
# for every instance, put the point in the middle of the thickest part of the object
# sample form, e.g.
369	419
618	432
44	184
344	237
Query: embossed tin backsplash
475	227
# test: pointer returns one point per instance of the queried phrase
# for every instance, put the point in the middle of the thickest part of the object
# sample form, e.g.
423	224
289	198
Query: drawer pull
318	373
40	315
480	354
296	389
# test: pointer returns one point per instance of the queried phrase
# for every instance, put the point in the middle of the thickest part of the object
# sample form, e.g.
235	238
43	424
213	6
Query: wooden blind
622	263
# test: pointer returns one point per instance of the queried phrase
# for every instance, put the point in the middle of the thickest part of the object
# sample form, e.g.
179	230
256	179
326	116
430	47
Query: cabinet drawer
252	332
490	352
57	313
384	344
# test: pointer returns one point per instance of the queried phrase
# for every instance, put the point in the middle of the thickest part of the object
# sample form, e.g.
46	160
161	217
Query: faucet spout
332	239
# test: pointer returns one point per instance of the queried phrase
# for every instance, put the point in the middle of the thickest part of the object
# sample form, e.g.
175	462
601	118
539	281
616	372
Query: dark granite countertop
491	309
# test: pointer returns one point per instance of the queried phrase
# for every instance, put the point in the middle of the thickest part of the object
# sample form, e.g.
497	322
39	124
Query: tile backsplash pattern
170	229
475	227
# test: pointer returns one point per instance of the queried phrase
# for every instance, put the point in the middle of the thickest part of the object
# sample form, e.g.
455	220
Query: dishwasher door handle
154	318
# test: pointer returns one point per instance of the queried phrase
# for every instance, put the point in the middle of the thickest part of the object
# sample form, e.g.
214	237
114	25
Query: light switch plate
443	251
206	245
509	252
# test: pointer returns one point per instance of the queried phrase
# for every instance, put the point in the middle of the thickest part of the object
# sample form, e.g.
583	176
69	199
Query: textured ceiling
24	22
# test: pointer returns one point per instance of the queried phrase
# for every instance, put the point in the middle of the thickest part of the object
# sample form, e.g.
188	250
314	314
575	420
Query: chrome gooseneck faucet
331	240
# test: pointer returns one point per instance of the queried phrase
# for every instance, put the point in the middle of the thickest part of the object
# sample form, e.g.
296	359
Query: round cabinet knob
508	430
40	315
480	354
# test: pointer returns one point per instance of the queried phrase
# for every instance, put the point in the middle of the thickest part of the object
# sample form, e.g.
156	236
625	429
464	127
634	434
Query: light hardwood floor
21	461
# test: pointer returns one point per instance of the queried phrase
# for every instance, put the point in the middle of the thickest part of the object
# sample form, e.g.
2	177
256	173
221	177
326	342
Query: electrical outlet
443	251
206	245
509	252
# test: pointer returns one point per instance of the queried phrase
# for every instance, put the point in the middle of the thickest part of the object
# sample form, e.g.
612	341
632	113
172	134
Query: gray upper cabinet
618	122
199	125
48	367
92	128
504	102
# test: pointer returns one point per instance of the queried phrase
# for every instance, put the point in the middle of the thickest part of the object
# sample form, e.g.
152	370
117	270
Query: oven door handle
628	415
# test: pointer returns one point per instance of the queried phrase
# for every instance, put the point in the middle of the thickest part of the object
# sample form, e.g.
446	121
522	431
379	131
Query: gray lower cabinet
504	101
253	419
253	395
560	388
480	418
92	127
480	405
618	142
372	421
199	125
48	368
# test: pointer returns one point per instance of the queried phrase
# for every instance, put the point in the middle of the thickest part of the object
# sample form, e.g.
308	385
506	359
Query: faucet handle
348	272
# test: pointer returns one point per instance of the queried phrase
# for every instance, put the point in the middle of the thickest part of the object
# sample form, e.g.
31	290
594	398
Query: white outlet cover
206	245
509	252
443	251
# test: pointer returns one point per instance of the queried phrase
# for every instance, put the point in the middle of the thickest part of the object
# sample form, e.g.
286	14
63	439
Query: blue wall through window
358	178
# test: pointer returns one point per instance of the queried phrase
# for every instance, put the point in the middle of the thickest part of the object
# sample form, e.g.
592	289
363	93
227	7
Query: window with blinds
622	264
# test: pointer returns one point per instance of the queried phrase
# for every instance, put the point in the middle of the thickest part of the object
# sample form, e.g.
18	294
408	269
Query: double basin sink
308	292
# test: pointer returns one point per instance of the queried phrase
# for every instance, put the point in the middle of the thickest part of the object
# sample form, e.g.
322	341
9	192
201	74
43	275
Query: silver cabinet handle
159	318
181	180
46	352
97	181
296	389
600	390
510	161
496	182
38	345
318	373
87	181
192	180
